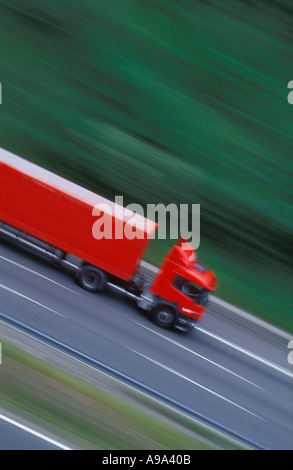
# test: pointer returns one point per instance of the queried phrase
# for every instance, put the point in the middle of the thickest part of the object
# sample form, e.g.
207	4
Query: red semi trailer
53	217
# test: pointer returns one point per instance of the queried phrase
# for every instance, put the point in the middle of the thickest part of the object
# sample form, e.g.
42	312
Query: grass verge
89	417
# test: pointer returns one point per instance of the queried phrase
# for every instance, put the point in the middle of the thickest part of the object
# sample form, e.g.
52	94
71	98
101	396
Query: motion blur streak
212	392
166	102
8	289
38	274
35	433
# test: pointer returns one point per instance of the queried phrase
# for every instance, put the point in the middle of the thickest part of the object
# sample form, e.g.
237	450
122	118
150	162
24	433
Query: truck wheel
92	279
164	316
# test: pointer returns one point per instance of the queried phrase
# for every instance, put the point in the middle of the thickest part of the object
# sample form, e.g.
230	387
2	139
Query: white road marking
178	374
38	274
247	353
199	355
12	291
35	433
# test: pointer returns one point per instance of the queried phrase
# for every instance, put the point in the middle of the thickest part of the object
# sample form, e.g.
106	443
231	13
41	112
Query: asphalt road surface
229	373
17	436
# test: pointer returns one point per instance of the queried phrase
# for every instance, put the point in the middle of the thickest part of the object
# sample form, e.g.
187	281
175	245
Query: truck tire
92	279
164	316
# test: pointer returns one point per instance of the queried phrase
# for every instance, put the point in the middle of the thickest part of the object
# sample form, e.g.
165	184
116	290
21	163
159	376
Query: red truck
53	217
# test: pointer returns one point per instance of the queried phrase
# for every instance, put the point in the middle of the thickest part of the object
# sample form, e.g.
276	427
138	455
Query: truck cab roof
183	256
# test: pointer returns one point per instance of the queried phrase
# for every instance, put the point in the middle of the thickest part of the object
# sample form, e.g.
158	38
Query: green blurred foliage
167	101
95	412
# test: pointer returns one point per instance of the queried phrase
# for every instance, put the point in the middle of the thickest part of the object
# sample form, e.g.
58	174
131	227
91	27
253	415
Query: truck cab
181	288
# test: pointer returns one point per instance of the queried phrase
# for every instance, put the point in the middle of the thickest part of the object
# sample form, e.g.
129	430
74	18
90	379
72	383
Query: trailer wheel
91	279
164	316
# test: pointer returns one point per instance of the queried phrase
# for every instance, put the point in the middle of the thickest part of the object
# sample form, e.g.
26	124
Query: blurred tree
166	101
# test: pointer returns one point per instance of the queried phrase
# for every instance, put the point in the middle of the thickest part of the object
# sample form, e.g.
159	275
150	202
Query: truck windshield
192	290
